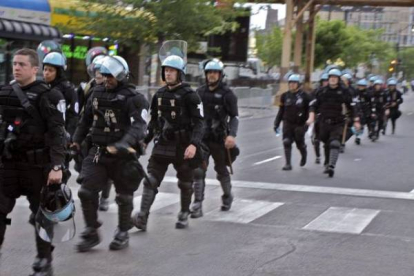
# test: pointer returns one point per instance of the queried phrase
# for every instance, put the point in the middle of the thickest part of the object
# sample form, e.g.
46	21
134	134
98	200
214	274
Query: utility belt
182	136
333	121
38	157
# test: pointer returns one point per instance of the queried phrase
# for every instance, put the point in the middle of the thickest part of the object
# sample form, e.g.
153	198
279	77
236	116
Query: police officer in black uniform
364	99
32	145
177	126
84	91
379	101
394	101
114	120
54	65
220	130
315	135
294	111
329	103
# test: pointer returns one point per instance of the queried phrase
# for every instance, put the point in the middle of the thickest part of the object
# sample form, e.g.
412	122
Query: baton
230	164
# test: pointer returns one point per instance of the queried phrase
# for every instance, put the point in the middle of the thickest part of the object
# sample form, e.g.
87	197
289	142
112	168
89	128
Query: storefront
23	23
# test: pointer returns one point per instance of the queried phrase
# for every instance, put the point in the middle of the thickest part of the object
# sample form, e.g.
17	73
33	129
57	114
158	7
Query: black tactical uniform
32	142
220	120
329	102
176	122
294	111
394	96
72	113
379	101
111	118
364	99
356	108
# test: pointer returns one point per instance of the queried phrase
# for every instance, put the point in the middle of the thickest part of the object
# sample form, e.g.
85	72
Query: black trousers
295	133
96	174
22	179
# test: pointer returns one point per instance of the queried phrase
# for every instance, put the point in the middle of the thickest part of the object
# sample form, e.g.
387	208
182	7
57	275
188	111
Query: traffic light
393	66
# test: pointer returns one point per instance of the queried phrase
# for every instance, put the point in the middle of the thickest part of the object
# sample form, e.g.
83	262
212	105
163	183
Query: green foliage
407	58
152	22
334	41
269	47
351	44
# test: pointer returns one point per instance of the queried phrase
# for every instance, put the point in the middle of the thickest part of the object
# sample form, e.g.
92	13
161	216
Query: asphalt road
361	222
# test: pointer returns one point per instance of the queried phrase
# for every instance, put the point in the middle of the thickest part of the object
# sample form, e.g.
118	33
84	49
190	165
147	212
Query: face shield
54	220
45	47
173	48
114	67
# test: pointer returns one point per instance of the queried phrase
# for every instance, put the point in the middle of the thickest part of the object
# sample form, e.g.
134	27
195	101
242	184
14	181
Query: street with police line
298	222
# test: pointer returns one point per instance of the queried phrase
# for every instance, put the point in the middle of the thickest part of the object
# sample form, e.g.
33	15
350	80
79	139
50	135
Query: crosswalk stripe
343	220
161	200
243	211
309	189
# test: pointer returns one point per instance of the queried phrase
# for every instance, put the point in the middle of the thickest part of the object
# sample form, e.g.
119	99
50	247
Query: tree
269	47
135	23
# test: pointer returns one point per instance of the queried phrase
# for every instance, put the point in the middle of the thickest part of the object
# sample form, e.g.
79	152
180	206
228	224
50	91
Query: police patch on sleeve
61	106
200	106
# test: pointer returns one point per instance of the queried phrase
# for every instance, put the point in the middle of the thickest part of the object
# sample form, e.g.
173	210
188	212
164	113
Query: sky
258	18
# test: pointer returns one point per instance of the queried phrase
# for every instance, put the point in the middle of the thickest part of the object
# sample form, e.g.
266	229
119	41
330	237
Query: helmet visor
112	66
173	47
46	47
56	227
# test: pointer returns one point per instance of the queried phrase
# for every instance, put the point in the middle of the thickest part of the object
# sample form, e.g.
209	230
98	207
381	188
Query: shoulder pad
67	84
188	89
40	88
98	88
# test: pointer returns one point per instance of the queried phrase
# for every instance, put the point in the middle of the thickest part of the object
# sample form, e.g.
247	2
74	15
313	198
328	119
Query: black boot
103	204
90	238
288	157
317	147
326	170
196	207
333	158
304	154
182	220
120	241
358	141
317	160
227	197
140	220
42	267
342	148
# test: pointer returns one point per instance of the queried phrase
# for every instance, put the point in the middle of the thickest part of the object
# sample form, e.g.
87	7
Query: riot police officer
220	130
378	105
32	145
347	132
177	125
114	120
323	82
294	111
84	91
394	101
54	65
329	102
364	99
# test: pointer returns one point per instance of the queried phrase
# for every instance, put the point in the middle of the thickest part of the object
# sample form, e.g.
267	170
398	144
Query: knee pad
287	142
124	199
199	173
185	185
151	182
334	144
85	194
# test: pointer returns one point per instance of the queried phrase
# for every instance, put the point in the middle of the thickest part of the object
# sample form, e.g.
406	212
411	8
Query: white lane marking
267	160
309	189
357	159
343	220
410	113
161	200
412	192
243	211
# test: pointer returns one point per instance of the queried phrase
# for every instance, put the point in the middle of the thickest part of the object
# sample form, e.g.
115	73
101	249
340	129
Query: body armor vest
331	104
16	123
173	117
378	100
215	114
295	108
364	100
110	115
